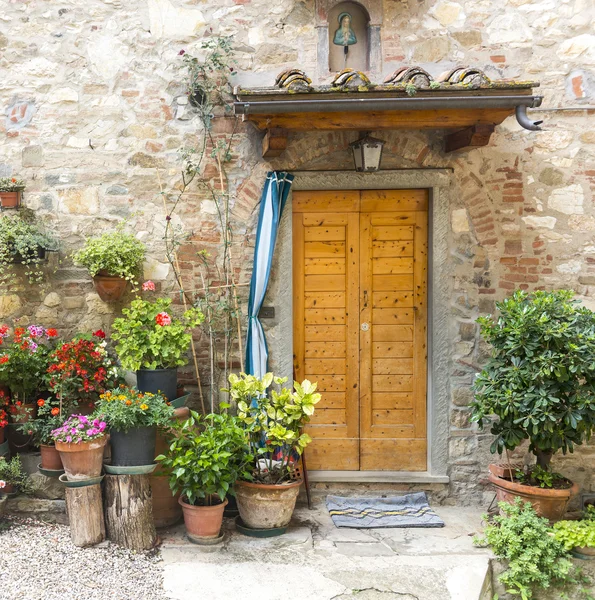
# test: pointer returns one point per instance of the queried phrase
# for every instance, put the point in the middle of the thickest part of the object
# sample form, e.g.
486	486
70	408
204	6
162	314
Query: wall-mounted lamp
367	152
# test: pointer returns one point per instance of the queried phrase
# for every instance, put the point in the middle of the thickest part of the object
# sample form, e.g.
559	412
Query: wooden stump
85	514
129	511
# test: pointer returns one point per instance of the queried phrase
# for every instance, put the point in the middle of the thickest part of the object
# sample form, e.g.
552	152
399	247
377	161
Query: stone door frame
279	330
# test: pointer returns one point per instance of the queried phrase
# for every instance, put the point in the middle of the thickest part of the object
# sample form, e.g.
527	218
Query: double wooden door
360	320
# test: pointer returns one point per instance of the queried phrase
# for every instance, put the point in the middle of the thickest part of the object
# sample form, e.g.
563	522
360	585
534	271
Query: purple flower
102	427
80	426
95	422
36	330
181	52
69	438
90	432
83	419
73	431
33	346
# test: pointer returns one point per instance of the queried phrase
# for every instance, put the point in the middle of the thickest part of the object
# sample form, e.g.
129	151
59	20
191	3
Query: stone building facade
95	113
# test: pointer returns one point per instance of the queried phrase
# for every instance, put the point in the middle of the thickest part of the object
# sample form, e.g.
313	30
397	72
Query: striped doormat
411	510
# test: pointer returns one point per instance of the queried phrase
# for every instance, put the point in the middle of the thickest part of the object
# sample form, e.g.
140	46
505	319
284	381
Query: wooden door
360	287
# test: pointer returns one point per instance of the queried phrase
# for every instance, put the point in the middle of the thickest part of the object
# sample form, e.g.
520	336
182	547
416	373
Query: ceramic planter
134	447
584	552
109	288
11	199
50	458
156	381
504	470
82	460
264	506
202	522
548	503
8	489
167	509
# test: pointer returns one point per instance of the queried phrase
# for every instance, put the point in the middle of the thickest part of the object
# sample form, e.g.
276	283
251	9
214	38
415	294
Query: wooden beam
380	120
274	142
472	137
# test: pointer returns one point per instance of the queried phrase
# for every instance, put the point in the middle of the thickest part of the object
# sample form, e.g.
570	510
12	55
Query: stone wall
95	113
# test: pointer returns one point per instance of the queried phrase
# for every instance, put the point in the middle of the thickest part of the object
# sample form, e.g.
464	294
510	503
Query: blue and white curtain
274	195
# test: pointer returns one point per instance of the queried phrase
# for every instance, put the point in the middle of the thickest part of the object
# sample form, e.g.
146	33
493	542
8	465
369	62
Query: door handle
365	327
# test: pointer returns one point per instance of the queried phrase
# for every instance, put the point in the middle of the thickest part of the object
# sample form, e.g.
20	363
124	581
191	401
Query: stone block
32	156
432	49
49	488
52	300
117	190
73	302
509	28
96	306
9	305
155	270
462	396
459	220
448	13
540	222
169	21
46	316
79	201
461	419
462	447
567	200
140	159
64	94
467	331
551	176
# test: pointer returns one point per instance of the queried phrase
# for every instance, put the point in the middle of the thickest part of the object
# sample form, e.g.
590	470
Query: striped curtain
274	195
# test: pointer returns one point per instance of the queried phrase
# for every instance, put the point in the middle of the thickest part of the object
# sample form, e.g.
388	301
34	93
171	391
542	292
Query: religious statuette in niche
345	36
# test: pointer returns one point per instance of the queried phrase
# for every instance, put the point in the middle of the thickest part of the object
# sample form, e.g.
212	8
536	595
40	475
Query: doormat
411	510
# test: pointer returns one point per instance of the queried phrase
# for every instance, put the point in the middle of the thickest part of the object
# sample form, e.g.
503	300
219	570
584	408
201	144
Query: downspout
272	107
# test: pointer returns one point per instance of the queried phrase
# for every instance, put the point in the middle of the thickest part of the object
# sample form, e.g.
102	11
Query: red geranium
99	334
51	332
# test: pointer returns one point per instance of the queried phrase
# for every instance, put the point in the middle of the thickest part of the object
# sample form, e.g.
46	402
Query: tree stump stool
128	510
85	511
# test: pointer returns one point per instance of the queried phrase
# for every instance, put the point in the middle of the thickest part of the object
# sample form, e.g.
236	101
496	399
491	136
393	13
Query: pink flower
148	286
163	319
68	439
102	427
2	483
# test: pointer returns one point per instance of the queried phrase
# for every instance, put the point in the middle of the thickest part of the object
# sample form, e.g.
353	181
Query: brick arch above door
280	294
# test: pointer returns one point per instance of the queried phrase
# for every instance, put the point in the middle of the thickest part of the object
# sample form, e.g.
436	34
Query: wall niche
352	25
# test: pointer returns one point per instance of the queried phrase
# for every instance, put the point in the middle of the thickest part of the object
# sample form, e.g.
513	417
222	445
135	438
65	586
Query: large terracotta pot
50	458
10	199
8	489
548	503
82	460
202	522
265	506
167	510
109	288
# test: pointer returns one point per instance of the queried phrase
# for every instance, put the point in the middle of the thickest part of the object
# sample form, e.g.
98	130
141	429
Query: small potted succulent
578	536
80	370
204	460
47	420
11	191
153	342
24	361
540	386
266	498
113	260
133	418
23	247
13	479
80	440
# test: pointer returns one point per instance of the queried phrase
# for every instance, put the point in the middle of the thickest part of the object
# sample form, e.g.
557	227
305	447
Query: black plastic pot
133	448
164	381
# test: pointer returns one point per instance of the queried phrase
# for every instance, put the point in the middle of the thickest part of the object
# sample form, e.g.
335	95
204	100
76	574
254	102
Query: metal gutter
272	107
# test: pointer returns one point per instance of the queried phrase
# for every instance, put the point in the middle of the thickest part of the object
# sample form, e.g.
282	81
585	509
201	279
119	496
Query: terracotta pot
585	551
50	458
8	489
83	460
166	508
504	470
10	199
265	506
109	288
547	503
202	521
23	413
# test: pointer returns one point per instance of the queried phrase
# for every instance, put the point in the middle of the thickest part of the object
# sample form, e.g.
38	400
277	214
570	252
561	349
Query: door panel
360	279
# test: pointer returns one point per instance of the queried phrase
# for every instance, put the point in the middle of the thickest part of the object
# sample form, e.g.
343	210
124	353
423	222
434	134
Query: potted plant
113	259
13	479
133	418
266	499
47	420
23	245
154	343
11	190
80	440
204	460
540	386
23	365
578	536
80	370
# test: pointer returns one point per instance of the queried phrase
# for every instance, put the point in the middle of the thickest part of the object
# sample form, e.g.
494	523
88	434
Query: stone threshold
376	477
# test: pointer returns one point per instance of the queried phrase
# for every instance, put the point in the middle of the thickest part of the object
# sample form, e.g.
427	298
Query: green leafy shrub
149	337
11	184
276	416
540	381
114	253
23	243
126	408
575	534
206	457
535	559
11	473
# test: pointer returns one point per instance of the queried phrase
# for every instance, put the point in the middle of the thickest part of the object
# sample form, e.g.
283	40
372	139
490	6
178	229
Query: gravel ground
39	562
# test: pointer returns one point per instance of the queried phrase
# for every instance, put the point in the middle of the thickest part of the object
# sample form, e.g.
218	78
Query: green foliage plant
115	253
576	534
149	337
12	473
11	184
126	408
48	419
540	381
275	416
206	457
534	558
22	242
